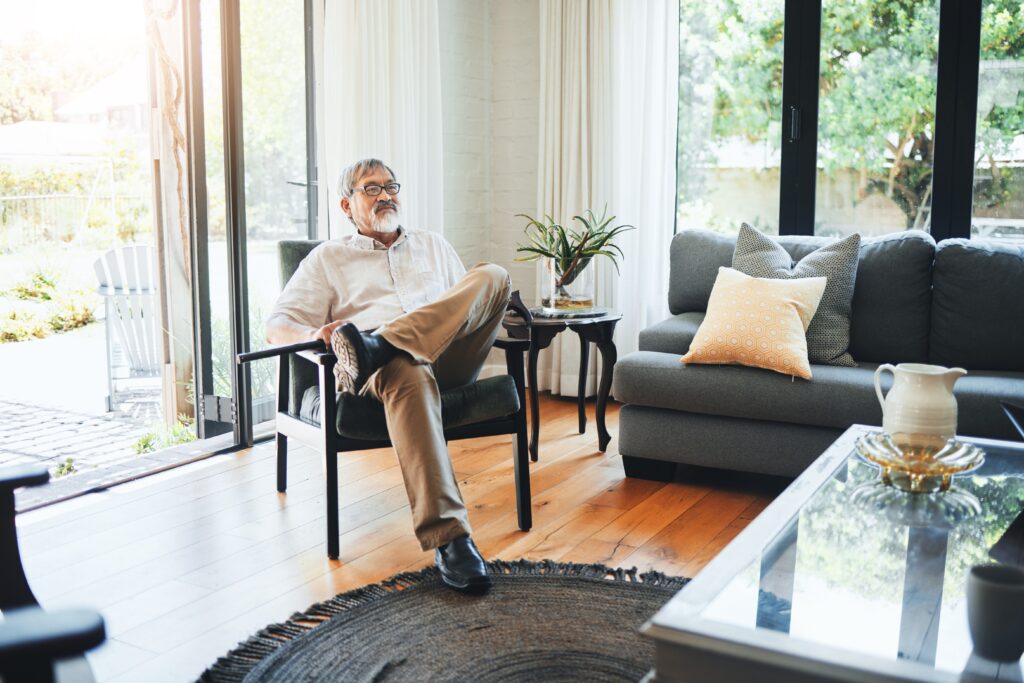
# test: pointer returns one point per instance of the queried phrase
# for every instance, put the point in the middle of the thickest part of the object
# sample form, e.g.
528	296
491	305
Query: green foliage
162	436
877	91
17	325
35	66
571	250
40	286
53	310
263	373
72	310
65	468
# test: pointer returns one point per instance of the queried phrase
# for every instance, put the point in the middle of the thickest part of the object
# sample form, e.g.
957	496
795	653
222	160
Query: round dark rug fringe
236	664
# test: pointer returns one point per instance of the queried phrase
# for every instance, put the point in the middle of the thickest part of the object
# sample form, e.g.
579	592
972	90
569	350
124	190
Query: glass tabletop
868	569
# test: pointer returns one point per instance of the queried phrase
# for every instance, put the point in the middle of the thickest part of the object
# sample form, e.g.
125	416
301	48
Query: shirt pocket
428	277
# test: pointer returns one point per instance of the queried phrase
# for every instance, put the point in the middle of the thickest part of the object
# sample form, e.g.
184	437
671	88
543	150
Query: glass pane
876	116
999	147
730	99
274	132
216	212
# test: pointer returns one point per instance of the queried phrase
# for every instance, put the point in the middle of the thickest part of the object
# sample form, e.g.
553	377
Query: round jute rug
542	621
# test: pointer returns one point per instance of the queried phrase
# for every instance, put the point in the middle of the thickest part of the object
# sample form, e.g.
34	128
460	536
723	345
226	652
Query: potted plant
568	283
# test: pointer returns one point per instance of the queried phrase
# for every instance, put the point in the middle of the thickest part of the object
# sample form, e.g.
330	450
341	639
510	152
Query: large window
832	117
730	98
998	201
876	116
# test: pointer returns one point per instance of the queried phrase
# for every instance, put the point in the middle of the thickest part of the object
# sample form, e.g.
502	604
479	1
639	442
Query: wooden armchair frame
326	439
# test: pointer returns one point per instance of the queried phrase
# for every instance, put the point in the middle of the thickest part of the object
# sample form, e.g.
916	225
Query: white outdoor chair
127	283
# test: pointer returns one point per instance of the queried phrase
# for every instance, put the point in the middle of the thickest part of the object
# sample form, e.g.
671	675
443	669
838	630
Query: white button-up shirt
358	279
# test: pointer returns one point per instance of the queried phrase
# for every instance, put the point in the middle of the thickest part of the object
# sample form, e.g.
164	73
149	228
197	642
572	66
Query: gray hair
352	173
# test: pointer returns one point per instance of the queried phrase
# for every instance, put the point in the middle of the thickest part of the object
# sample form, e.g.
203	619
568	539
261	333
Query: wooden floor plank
186	565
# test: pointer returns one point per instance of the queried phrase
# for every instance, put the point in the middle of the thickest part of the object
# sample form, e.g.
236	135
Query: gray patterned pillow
828	337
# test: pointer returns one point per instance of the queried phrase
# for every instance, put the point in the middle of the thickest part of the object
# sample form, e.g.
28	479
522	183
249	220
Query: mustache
385	204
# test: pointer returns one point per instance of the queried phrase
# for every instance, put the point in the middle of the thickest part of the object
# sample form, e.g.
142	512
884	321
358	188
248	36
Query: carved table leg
540	338
601	335
581	393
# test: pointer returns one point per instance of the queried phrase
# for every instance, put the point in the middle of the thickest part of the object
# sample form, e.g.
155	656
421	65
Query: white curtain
609	95
381	95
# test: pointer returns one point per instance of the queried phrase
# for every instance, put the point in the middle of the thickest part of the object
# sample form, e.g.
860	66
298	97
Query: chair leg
333	549
31	671
524	501
282	462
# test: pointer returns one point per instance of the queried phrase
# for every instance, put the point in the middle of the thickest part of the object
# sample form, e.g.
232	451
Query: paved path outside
53	407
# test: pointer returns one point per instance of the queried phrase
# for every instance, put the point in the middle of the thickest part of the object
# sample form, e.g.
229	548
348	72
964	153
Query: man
433	324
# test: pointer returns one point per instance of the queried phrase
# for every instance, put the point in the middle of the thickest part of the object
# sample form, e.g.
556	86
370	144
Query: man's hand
325	332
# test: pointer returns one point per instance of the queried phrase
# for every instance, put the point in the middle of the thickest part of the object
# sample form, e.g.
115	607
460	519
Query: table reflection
832	575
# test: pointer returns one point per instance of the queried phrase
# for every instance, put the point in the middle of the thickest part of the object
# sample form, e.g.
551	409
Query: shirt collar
364	242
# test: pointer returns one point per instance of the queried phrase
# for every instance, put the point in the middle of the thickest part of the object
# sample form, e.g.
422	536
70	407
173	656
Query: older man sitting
433	323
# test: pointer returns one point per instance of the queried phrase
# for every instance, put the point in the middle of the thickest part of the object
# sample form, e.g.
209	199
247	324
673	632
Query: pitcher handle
878	382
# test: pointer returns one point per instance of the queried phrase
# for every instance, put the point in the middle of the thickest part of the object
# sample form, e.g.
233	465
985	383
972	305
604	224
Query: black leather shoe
461	566
359	356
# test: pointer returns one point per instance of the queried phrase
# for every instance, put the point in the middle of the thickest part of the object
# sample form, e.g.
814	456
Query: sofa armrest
672	335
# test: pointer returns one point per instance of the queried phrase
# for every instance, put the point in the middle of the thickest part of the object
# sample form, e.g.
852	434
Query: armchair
31	638
311	411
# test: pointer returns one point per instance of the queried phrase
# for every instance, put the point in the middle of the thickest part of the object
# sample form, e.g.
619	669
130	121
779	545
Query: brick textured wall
490	98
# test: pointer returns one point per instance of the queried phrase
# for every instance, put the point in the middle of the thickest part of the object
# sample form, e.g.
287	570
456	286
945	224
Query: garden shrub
71	311
162	436
40	286
21	325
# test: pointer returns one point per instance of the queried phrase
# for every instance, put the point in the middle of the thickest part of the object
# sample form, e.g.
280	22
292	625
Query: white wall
490	74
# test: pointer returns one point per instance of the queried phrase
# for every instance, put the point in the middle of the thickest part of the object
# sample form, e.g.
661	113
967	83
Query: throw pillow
759	322
828	337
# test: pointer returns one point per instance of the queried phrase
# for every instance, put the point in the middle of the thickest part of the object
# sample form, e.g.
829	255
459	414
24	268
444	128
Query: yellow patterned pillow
759	322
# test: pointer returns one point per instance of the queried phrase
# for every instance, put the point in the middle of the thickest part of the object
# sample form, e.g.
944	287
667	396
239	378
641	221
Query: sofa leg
648	468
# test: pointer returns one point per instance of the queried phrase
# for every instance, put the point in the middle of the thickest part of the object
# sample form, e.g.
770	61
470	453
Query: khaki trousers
447	342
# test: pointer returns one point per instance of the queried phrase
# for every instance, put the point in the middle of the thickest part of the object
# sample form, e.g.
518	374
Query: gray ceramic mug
995	611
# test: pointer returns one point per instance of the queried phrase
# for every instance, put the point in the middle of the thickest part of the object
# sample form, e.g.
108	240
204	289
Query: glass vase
571	291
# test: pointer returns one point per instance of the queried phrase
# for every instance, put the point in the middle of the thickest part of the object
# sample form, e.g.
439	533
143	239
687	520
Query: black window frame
955	117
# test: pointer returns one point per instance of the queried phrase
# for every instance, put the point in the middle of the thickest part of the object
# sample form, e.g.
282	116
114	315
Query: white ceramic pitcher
921	399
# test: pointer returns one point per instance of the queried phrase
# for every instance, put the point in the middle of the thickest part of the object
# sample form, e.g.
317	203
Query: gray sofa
958	303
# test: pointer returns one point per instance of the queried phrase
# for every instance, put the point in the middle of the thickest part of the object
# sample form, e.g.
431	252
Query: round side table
541	332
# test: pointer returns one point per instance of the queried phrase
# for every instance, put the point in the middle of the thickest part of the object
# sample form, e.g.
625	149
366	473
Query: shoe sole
348	359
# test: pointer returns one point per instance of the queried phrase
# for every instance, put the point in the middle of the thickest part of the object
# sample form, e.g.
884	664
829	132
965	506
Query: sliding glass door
849	116
253	184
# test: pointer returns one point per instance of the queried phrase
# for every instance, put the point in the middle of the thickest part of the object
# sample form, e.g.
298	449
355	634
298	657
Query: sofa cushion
694	259
828	336
892	291
758	322
362	417
672	335
837	396
978	306
892	298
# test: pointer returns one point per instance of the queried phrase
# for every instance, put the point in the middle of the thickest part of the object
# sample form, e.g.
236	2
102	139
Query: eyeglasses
372	190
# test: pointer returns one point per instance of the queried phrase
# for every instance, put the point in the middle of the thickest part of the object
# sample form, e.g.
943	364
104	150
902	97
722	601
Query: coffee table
841	579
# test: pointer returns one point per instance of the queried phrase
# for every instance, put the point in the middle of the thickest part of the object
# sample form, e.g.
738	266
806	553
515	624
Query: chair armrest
325	358
272	351
512	344
34	633
23	475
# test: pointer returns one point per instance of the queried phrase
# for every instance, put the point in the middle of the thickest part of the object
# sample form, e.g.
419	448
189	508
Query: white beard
387	222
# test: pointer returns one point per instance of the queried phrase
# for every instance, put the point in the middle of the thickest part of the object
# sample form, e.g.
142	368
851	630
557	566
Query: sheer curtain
609	96
381	94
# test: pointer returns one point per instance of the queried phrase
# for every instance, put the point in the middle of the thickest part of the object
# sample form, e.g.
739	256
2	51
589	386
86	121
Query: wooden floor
185	564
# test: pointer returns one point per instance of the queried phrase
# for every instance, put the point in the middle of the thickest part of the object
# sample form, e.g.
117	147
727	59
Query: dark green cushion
362	417
978	305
